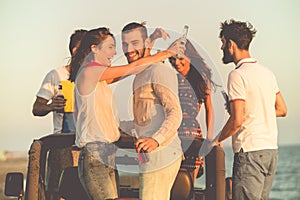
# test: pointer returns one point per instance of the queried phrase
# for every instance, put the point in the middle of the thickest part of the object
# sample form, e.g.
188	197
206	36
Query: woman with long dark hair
194	91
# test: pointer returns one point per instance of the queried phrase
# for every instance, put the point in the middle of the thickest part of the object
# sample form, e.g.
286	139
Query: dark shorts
191	147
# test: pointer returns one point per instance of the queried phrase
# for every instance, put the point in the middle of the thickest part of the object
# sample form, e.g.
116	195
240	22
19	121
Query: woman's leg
98	178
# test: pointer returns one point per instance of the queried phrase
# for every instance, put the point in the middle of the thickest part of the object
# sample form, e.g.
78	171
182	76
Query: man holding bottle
157	116
47	98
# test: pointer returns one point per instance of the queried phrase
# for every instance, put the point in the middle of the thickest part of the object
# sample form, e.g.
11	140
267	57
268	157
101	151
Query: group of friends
166	103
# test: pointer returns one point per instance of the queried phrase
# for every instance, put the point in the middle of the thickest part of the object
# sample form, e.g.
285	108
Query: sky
35	34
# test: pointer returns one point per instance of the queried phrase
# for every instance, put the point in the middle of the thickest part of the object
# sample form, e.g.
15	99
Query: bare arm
158	33
235	121
116	72
141	64
41	107
280	106
209	114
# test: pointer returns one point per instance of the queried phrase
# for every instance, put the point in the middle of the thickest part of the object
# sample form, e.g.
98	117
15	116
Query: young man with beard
255	102
157	116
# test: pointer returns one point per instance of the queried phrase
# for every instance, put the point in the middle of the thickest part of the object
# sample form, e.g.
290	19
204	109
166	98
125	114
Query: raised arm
139	65
158	33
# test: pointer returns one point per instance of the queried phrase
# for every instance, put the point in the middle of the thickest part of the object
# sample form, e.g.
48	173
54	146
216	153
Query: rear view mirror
14	184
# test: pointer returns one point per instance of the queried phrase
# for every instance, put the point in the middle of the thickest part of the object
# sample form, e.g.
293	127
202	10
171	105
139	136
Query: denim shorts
253	174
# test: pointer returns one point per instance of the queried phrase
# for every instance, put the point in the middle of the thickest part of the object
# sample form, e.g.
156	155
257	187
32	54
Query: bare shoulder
92	73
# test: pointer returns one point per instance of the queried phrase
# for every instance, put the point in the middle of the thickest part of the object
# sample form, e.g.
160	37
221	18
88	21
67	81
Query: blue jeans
96	169
253	174
68	123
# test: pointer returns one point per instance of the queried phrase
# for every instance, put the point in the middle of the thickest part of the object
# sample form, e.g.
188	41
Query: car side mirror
14	184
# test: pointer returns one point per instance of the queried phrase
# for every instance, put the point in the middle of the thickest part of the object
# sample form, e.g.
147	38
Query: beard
227	58
138	55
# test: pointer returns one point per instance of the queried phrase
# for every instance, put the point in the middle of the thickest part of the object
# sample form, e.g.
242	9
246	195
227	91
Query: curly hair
241	33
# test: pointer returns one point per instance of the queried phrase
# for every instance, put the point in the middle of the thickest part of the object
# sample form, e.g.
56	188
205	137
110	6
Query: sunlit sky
34	39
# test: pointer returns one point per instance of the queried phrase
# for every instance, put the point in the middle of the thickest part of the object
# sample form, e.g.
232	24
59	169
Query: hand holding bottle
227	103
142	155
178	47
183	40
58	102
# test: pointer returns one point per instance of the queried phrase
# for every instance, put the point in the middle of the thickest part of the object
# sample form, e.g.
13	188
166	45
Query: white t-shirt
257	86
95	109
49	89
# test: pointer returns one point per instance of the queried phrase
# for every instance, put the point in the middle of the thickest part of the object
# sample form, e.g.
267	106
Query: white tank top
97	119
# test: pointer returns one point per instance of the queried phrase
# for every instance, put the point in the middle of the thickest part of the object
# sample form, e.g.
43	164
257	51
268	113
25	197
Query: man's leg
157	185
249	169
271	173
